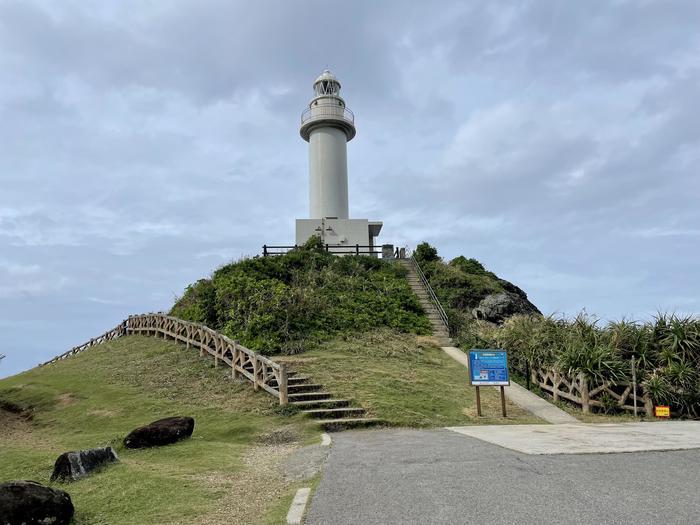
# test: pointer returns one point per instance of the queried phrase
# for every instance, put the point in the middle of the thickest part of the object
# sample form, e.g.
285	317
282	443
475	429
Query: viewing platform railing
351	249
323	111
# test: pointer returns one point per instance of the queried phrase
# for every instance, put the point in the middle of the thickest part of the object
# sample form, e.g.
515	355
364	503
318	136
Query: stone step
321	403
331	425
335	413
303	387
290	373
309	396
299	380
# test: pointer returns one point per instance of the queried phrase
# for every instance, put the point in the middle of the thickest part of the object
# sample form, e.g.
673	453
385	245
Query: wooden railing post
648	404
256	372
264	250
236	355
557	382
283	385
585	397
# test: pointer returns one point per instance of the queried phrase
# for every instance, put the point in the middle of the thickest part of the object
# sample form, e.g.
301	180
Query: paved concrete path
584	438
441	477
522	396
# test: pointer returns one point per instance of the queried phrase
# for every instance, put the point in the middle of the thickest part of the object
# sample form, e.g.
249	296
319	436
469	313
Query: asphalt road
437	476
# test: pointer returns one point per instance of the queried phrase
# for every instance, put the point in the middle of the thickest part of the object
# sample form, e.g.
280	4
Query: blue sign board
488	368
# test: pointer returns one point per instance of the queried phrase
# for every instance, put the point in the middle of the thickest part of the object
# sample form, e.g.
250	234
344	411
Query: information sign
488	368
662	411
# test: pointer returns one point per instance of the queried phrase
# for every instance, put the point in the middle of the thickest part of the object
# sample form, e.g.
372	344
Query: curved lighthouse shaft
328	125
328	173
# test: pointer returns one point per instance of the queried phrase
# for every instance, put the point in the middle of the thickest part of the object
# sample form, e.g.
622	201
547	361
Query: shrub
425	253
290	302
665	350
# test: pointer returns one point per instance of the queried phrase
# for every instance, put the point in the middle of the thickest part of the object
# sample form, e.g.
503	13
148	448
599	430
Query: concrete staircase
440	330
331	413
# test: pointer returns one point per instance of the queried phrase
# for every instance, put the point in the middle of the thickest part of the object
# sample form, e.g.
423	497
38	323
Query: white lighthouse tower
328	125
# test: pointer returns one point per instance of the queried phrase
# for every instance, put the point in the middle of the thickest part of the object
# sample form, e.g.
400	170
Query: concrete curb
296	511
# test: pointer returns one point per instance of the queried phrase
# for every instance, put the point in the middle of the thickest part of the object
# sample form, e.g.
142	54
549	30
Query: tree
425	253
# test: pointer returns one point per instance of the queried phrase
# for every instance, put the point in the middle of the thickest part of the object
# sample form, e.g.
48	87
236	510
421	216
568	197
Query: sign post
488	368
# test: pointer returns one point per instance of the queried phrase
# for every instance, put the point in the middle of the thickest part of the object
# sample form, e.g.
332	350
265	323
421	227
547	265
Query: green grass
403	379
96	398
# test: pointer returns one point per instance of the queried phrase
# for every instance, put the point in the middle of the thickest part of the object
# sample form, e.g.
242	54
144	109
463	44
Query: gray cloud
143	145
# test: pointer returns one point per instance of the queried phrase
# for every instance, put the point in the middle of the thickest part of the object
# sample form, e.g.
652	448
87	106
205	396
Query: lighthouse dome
326	75
326	84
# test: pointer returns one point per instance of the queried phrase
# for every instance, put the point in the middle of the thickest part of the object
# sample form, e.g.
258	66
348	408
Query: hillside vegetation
666	352
463	285
291	302
225	473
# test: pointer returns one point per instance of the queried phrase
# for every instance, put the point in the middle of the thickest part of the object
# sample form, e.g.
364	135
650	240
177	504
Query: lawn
404	379
224	474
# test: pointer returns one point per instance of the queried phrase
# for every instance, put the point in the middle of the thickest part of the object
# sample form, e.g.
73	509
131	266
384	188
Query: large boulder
71	466
161	432
497	307
28	503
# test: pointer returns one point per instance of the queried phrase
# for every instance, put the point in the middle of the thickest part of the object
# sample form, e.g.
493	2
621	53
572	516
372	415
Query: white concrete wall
343	232
328	173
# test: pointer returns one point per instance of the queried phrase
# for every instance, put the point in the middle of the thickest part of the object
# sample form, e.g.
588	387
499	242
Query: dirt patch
14	425
66	399
280	436
250	492
24	412
102	413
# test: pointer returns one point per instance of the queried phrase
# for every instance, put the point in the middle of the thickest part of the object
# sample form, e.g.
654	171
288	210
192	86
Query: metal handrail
344	249
322	111
431	293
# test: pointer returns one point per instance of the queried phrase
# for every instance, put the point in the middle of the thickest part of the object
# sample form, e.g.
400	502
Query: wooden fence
261	371
582	391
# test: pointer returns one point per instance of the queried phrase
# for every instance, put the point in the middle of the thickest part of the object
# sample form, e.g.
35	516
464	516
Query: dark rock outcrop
496	308
161	432
28	502
71	466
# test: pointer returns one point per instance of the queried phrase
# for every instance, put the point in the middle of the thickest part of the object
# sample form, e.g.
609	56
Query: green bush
425	253
666	352
290	302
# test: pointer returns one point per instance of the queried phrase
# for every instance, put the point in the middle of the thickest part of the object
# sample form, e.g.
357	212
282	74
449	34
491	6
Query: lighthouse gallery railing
322	111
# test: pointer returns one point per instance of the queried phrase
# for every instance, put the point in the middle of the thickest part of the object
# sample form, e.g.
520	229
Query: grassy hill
352	323
228	472
97	397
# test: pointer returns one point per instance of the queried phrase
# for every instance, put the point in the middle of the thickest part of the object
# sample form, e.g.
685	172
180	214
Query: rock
161	432
497	307
28	502
71	466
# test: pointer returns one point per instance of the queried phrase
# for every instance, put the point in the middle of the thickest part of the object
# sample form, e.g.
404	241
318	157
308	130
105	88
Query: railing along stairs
431	293
262	372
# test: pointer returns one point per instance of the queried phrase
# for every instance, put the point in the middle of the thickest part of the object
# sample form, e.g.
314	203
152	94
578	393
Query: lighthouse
328	125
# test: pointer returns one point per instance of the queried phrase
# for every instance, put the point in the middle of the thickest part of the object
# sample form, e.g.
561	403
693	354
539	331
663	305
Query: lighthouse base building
348	233
328	125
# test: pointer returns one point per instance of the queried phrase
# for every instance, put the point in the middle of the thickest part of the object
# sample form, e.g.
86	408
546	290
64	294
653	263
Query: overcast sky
144	144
